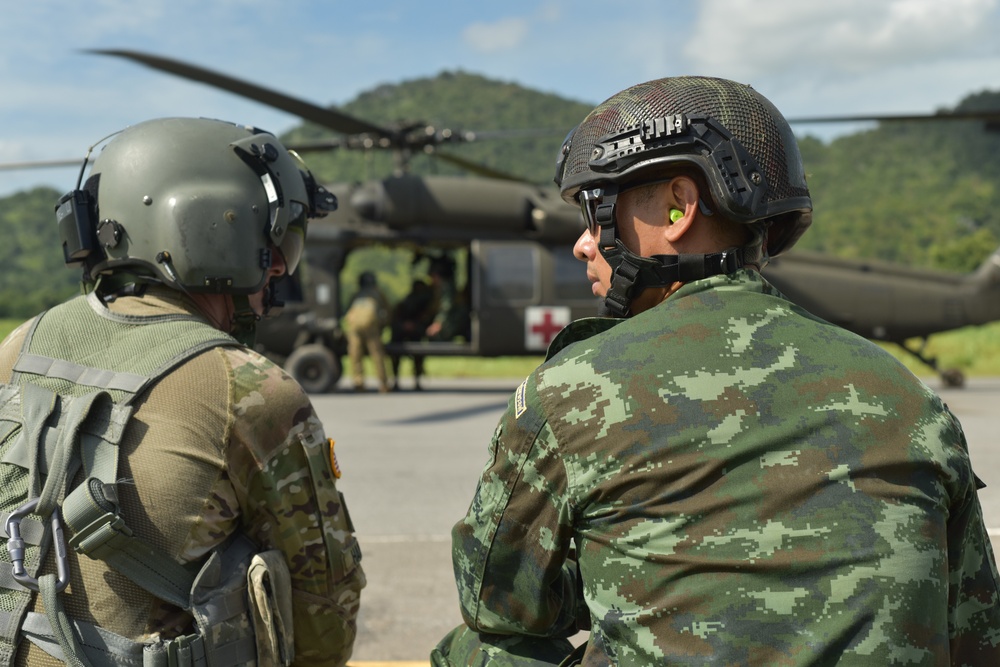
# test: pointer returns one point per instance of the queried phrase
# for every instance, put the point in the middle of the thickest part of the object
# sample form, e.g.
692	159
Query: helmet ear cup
76	213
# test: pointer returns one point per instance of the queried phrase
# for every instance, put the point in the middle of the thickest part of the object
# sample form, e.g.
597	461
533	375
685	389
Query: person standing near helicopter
712	475
366	317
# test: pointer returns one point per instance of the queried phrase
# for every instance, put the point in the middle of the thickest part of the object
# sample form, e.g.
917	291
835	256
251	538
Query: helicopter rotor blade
988	116
320	145
403	139
475	167
324	117
40	164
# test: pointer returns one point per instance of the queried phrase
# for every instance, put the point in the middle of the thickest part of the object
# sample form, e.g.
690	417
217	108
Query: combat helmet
729	133
193	203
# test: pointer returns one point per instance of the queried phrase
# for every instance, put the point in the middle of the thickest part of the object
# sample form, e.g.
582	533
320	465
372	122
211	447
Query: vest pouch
270	591
219	604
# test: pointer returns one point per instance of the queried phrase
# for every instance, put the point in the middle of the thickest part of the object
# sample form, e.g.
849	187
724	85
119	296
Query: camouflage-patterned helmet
731	133
197	204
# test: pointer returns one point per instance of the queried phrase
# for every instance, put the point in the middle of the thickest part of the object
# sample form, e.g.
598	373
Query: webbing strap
37	405
66	446
79	374
8	581
6	617
107	649
32	530
61	626
102	647
102	534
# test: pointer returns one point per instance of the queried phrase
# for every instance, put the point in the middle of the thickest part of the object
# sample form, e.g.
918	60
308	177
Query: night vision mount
733	173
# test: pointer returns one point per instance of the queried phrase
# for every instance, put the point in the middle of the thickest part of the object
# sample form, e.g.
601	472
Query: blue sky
810	58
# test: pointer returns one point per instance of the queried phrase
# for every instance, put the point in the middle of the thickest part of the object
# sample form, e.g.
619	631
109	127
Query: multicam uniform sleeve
512	552
282	469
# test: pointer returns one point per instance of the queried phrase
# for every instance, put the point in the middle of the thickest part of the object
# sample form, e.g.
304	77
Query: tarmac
410	463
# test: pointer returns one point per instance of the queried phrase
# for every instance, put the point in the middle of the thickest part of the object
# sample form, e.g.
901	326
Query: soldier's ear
682	207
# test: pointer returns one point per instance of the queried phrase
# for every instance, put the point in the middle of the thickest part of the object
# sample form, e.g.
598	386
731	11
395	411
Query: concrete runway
410	463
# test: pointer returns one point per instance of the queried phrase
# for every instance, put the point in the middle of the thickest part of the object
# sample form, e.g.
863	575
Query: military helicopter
521	281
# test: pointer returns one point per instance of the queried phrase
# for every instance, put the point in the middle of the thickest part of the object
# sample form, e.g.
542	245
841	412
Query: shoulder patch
520	402
333	459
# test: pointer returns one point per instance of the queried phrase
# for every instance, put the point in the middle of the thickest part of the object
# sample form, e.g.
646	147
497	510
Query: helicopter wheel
953	378
314	367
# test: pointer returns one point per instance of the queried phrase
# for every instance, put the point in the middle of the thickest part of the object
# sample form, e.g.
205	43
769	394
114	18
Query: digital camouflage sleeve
725	479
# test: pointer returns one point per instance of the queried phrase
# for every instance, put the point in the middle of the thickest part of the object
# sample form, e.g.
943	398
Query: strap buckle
15	546
730	260
89	539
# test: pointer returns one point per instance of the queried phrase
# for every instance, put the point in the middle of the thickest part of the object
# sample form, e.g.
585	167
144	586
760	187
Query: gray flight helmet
197	204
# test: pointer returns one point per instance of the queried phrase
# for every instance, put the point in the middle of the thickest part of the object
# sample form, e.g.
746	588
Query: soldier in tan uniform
365	318
224	472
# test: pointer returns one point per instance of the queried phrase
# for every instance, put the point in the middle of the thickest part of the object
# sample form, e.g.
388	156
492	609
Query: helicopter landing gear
952	377
314	367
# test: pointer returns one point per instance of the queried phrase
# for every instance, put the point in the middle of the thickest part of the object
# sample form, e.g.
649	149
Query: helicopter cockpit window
511	273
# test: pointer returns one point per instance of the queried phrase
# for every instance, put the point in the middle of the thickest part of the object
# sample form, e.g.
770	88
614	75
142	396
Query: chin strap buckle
730	260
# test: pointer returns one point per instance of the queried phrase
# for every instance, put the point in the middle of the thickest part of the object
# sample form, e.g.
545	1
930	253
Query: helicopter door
524	293
506	281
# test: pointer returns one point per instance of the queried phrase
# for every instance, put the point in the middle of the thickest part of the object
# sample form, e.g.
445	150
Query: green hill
34	275
461	102
922	194
916	193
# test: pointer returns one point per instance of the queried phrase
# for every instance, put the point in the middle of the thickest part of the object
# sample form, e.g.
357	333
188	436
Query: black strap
632	273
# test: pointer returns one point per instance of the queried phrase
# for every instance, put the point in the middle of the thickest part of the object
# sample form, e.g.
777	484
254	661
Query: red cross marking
547	328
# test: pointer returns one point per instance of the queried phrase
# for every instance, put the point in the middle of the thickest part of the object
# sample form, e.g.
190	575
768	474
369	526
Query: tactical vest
65	409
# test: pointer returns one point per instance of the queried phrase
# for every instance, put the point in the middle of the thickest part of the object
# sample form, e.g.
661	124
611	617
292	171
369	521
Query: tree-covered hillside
917	193
922	194
33	275
461	102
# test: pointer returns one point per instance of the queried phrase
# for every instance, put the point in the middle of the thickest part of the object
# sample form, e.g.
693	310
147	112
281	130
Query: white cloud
503	35
809	57
843	37
549	12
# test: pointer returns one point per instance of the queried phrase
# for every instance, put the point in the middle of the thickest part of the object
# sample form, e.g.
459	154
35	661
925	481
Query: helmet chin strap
244	324
631	274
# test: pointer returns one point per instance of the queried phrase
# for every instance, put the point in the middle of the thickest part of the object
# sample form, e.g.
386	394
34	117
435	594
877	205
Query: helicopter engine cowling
475	206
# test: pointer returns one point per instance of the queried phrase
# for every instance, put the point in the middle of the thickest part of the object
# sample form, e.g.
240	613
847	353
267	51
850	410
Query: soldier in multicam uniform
184	222
713	475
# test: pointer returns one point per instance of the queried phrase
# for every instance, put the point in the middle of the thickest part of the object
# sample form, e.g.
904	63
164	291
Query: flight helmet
739	143
193	203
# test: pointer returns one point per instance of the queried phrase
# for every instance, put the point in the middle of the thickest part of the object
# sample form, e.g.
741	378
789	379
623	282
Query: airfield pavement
410	463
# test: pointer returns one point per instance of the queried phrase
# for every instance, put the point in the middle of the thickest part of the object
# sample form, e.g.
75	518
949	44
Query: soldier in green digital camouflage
713	475
220	537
